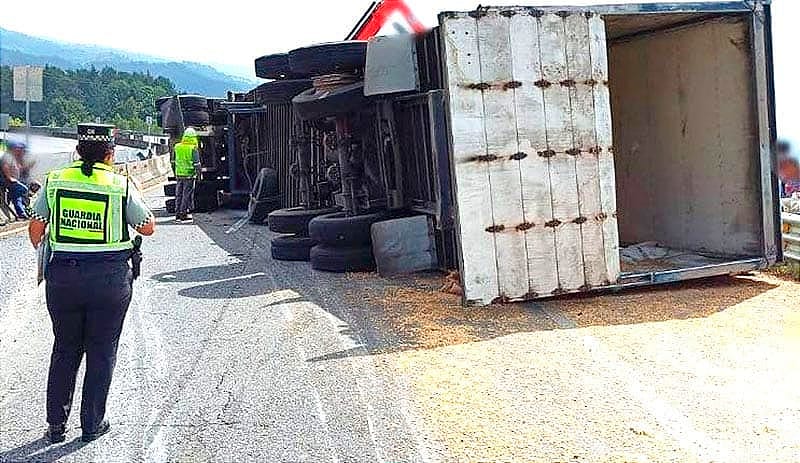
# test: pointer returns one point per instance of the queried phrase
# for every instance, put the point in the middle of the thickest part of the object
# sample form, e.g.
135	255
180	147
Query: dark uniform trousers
87	297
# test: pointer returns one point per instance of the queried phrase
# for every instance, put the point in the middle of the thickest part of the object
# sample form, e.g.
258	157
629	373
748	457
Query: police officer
85	210
187	164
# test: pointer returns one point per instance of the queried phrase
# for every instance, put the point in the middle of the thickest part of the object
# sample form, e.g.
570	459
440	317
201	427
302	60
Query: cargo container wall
549	202
531	152
686	138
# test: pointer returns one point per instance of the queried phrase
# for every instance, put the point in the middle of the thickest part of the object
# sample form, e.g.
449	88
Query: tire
259	209
214	104
170	206
206	203
340	230
206	198
266	184
219	117
193	103
295	220
315	104
292	248
196	118
279	91
223	185
342	259
237	201
276	67
169	189
161	101
329	58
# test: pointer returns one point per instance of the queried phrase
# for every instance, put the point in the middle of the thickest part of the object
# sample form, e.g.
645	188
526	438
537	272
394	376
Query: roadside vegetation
73	96
788	270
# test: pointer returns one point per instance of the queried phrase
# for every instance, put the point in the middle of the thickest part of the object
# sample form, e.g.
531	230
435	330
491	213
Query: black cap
96	132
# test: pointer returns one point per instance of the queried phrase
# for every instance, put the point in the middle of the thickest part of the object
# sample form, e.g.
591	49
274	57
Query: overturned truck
210	121
540	151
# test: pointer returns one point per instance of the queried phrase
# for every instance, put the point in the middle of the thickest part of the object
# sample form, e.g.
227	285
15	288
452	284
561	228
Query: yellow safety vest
87	214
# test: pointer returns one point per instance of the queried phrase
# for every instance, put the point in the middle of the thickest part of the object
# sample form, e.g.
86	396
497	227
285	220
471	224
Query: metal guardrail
791	236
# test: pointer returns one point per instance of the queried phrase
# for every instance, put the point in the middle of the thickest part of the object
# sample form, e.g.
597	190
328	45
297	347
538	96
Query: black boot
56	433
100	431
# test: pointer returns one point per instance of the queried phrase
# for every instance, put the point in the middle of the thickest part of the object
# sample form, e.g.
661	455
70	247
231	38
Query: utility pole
28	107
149	120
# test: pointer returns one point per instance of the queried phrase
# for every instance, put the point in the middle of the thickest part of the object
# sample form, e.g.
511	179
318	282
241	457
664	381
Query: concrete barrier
148	173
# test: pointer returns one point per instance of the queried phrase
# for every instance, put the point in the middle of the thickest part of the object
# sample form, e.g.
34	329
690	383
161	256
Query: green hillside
72	96
21	49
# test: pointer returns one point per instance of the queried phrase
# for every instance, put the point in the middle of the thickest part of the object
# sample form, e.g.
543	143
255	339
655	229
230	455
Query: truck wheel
295	220
276	67
342	259
236	201
193	103
259	209
206	198
170	206
341	230
315	104
329	58
206	203
161	101
219	117
292	248
169	189
266	184
196	118
279	91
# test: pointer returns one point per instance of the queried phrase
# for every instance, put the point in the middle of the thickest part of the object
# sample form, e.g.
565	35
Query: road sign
28	83
149	120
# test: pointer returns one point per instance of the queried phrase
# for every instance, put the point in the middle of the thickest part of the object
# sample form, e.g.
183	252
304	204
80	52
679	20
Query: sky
231	34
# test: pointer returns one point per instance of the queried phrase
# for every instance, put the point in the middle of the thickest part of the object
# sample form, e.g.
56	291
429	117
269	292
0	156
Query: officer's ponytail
90	153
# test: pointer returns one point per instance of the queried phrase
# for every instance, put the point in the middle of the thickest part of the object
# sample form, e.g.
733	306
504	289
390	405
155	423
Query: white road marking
323	417
365	361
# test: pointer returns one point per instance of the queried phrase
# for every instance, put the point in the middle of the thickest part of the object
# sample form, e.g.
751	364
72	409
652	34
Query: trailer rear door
532	159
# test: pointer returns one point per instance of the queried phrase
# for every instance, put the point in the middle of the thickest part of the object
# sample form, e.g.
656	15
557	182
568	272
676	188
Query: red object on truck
383	13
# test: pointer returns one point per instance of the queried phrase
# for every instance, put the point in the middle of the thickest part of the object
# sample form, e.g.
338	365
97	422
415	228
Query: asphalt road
228	356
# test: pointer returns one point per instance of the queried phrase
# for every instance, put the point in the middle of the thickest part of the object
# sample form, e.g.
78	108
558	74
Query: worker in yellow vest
187	164
84	212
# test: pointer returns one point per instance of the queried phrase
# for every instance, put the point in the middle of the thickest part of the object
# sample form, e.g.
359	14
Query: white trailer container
609	146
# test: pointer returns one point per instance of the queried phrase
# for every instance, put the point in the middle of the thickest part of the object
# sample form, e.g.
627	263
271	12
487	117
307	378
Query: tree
73	96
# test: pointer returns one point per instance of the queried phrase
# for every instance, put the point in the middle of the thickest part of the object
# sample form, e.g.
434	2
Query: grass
789	270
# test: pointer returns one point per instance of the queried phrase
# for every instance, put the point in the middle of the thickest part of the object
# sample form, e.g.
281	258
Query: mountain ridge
17	48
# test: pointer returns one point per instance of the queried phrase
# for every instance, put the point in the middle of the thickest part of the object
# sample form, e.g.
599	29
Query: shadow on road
35	451
385	315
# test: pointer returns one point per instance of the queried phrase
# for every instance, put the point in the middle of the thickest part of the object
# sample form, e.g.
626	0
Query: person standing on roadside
187	165
84	212
788	170
15	173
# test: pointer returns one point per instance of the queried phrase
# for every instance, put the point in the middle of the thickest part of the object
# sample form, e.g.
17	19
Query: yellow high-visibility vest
87	214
